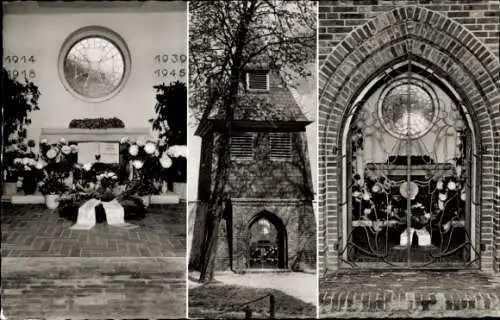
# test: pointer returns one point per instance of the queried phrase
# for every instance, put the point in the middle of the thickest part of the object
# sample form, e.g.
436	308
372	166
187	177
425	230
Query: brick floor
93	288
411	294
34	231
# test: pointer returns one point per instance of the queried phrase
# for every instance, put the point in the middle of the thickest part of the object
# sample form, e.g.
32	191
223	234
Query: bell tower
271	224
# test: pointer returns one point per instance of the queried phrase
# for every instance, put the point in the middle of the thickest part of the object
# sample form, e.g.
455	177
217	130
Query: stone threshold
411	293
264	270
168	198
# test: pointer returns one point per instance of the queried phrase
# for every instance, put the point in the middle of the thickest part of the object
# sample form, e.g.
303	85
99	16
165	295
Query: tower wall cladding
461	37
281	188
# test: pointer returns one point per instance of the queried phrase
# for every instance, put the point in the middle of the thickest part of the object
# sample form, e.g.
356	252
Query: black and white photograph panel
409	138
252	147
94	159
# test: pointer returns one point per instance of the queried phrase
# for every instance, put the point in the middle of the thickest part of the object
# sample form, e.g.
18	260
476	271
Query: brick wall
298	219
338	18
282	188
457	40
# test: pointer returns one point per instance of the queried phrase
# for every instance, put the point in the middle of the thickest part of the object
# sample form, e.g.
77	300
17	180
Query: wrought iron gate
410	162
264	255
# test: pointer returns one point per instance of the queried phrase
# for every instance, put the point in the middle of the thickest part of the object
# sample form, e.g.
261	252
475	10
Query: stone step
93	288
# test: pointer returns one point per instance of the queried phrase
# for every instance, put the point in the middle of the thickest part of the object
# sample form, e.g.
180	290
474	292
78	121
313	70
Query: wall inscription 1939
169	67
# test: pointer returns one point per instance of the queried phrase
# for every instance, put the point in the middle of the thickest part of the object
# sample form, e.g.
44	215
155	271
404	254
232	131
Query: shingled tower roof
275	109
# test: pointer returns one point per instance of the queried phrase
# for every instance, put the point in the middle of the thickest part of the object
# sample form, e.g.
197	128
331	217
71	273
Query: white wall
41	32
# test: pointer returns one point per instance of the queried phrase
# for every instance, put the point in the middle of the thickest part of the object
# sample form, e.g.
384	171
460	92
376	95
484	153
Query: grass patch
212	299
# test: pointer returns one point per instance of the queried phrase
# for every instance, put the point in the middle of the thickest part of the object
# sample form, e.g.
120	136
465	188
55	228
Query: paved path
409	294
34	231
93	288
302	286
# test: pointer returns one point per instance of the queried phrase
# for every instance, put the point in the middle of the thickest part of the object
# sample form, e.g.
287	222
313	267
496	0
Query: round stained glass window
407	109
94	64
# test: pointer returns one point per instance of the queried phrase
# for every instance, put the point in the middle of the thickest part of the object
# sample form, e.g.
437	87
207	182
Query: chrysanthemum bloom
133	150
62	141
74	148
140	142
40	164
177	151
43	141
25	161
376	188
18	161
87	166
124	140
137	164
439	185
366	196
166	162
452	185
51	153
150	148
66	150
367	211
442	196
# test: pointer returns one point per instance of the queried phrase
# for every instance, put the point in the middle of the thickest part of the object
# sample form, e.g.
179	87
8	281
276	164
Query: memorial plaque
109	151
87	152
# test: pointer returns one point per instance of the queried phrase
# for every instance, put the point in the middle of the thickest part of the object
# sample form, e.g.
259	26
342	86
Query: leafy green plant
96	123
19	100
171	124
171	115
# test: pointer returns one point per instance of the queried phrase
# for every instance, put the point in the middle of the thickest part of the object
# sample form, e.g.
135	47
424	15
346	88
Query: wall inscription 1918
169	67
20	66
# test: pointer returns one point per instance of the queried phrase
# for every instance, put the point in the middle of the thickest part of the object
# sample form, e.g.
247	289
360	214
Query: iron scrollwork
409	185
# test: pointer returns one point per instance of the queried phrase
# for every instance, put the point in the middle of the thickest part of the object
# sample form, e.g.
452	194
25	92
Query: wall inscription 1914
20	66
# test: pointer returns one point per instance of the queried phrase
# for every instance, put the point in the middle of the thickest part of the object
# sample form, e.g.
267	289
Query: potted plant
19	100
177	172
170	123
11	169
60	159
32	173
146	166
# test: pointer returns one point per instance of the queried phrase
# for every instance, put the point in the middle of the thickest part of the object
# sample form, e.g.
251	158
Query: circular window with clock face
94	64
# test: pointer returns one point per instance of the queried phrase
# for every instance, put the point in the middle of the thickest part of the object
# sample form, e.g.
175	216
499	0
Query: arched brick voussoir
463	80
413	16
463	70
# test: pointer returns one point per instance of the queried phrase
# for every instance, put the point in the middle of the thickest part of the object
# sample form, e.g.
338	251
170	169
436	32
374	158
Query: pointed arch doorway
267	242
409	160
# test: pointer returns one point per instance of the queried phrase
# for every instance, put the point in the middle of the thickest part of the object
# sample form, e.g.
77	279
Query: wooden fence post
272	306
248	312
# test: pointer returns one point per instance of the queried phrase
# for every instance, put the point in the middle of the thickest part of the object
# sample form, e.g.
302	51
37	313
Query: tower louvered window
257	80
281	145
242	146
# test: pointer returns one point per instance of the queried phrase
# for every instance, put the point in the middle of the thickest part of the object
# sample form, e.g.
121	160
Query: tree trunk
218	196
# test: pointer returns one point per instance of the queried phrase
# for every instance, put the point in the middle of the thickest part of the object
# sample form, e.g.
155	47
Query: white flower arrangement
177	151
150	148
134	150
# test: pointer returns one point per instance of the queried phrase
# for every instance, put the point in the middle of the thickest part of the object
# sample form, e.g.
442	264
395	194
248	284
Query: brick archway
446	49
281	234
